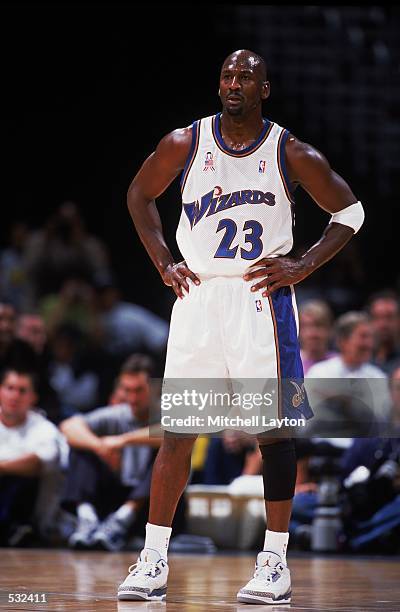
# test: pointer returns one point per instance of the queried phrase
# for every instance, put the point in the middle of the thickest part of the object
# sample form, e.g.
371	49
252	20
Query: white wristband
353	216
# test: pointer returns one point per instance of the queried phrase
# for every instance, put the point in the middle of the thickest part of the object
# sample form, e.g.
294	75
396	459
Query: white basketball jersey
237	206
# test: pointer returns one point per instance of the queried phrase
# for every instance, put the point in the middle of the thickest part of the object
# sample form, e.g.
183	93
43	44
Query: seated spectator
73	304
31	328
316	331
72	369
111	459
232	455
371	484
15	284
379	481
30	454
127	328
384	311
14	352
360	402
63	249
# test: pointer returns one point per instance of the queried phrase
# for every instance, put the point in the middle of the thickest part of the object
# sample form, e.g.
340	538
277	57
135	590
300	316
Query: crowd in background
77	364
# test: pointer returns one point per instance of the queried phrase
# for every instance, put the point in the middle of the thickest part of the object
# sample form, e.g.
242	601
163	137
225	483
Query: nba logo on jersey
261	166
258	305
209	162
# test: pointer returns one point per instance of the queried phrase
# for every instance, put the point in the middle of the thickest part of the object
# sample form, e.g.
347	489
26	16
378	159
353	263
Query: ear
265	90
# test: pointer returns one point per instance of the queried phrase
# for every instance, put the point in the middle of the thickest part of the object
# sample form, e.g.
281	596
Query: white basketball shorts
222	330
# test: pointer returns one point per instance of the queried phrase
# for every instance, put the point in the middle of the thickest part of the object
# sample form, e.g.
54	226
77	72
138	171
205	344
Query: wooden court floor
87	582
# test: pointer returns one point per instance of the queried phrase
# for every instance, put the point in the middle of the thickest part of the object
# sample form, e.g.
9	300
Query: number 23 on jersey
252	236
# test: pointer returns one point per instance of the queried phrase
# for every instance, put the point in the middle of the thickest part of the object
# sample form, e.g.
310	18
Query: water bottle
327	523
326	529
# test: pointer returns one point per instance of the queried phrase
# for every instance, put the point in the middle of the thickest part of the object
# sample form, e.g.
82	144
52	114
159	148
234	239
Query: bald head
243	84
247	59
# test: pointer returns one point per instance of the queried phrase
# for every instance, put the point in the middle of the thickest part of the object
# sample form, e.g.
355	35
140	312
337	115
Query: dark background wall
87	92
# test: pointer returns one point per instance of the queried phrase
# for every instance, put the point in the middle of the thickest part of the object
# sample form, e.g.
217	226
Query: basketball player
235	312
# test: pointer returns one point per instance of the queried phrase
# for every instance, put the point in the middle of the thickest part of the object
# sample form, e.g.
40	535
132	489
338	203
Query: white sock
276	542
157	538
87	512
125	514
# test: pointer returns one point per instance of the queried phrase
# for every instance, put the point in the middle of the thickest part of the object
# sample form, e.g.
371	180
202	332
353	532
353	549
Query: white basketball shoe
270	583
147	578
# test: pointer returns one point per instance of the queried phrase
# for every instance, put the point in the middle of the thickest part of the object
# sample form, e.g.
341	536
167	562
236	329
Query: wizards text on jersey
215	201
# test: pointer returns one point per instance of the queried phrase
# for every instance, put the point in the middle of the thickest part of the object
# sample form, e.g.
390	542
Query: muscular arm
308	168
153	178
151	436
26	465
79	434
311	170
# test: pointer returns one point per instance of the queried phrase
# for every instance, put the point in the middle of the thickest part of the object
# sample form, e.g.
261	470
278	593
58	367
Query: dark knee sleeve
279	470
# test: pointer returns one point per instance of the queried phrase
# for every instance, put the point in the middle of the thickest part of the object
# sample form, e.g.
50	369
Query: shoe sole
256	599
138	596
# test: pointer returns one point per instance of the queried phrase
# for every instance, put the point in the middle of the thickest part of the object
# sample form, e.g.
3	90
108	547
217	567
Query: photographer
371	473
64	248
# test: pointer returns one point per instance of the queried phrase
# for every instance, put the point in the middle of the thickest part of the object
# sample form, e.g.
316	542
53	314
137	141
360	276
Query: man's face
16	397
135	390
385	319
7	323
241	85
31	328
314	333
357	348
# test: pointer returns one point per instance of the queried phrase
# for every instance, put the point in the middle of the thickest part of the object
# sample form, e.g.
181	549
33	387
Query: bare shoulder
176	144
297	151
309	168
180	137
302	158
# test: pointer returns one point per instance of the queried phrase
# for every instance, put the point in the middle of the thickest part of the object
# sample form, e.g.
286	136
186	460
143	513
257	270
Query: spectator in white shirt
30	454
355	341
316	329
384	310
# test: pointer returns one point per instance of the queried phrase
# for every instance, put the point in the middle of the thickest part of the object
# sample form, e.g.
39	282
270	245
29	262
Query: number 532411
27	598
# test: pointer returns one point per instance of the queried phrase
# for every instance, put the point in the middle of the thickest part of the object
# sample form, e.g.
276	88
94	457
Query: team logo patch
258	305
209	162
300	395
261	166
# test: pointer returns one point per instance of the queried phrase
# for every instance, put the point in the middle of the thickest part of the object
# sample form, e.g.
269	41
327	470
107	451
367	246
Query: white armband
353	216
